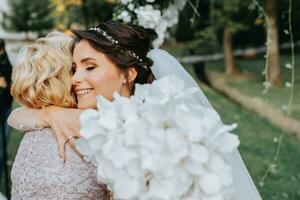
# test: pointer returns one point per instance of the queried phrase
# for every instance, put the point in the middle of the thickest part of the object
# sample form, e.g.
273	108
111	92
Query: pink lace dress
38	173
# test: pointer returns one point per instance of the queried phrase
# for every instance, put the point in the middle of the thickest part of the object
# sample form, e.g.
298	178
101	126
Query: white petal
126	188
199	153
117	153
135	132
134	169
210	183
109	119
96	142
106	172
228	142
87	115
216	163
83	147
167	87
215	197
193	167
183	181
103	103
177	144
162	189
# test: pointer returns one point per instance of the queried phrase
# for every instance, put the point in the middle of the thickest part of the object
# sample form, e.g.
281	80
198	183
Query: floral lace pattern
38	173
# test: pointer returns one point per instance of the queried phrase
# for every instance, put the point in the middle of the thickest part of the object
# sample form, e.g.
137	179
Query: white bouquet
159	144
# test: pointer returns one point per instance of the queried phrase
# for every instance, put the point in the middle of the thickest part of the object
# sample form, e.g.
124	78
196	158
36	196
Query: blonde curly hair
42	76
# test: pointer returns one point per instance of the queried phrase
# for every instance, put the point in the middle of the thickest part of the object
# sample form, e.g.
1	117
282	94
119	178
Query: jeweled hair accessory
102	32
116	42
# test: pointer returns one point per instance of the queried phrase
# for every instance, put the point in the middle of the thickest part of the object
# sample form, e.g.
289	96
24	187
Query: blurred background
244	54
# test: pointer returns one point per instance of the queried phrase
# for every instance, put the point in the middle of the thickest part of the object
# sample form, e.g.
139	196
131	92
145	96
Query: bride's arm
63	121
25	119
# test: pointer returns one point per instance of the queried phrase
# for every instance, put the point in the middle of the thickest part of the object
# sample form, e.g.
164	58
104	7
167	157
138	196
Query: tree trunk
230	67
272	48
85	13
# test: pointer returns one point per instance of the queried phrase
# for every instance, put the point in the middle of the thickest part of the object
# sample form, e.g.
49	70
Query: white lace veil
165	64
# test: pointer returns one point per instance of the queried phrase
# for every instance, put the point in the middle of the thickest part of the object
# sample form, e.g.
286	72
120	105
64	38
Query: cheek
106	83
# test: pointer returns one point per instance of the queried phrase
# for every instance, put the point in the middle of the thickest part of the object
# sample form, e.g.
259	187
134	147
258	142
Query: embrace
57	78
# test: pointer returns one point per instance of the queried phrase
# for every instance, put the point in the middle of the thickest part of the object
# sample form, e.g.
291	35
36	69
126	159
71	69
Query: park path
254	104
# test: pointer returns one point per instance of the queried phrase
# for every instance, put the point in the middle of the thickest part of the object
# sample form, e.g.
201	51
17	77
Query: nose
77	77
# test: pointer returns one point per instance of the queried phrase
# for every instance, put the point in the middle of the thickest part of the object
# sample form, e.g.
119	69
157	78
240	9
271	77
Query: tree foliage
33	15
82	12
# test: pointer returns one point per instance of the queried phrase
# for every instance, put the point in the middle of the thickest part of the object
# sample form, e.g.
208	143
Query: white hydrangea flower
151	15
159	144
171	15
125	16
210	183
130	191
147	16
130	6
125	2
160	30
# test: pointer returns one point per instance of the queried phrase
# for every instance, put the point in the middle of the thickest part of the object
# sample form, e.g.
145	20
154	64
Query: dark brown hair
129	37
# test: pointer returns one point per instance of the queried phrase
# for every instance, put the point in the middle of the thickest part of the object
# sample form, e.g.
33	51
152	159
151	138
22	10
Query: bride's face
94	74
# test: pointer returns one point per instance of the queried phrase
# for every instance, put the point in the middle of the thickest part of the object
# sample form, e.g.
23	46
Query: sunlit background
244	54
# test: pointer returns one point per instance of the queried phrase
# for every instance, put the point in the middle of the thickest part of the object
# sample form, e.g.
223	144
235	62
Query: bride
114	57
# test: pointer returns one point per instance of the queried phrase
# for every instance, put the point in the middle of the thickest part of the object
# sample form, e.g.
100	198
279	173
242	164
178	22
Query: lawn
251	85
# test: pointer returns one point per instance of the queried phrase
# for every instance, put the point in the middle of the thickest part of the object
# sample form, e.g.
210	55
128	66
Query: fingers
61	150
111	196
74	129
72	142
65	136
61	146
64	126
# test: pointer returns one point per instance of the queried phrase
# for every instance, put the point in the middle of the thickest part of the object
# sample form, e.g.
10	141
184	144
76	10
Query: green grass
252	85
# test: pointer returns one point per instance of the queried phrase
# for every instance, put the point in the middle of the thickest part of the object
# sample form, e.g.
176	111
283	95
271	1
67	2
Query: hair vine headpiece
116	42
102	32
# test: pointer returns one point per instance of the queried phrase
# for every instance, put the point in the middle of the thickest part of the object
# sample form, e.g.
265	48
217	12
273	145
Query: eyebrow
87	59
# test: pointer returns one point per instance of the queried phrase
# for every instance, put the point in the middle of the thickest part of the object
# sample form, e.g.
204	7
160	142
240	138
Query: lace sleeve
25	119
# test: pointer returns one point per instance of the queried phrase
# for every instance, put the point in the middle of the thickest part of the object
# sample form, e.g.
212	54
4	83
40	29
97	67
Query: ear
131	74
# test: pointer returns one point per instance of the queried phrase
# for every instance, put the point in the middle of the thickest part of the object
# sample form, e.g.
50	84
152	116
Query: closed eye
90	68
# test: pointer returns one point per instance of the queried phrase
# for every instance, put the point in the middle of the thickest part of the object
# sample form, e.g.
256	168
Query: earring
124	81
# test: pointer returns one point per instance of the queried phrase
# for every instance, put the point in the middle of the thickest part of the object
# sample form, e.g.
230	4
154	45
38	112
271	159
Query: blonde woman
42	78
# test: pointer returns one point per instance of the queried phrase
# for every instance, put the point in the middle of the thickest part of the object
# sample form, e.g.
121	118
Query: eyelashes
87	68
90	68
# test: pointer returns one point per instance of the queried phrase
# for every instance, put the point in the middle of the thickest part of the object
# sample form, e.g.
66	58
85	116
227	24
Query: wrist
45	118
